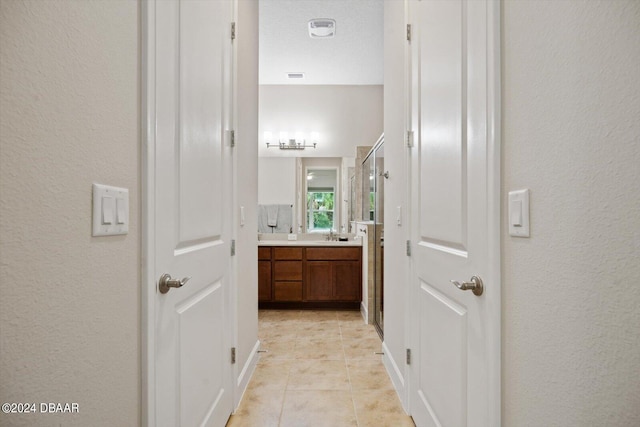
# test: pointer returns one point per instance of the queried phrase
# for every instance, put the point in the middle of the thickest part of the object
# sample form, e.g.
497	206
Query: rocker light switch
110	210
107	210
519	213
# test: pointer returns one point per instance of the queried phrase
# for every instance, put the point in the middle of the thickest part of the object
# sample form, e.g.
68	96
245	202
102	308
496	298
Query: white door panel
192	211
454	171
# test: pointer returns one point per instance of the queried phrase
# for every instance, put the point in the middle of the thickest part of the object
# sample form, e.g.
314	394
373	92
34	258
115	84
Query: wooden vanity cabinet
309	277
264	274
287	274
333	274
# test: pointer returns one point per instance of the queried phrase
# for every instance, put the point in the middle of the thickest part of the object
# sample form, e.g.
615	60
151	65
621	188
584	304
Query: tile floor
320	371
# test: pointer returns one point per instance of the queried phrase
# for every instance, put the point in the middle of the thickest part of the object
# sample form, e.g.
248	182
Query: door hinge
232	138
408	356
233	355
408	247
233	31
233	247
409	138
409	32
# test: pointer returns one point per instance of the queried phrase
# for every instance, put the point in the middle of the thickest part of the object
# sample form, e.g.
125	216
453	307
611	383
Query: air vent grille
295	75
322	28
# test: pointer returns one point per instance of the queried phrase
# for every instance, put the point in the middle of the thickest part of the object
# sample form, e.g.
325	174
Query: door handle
474	285
166	283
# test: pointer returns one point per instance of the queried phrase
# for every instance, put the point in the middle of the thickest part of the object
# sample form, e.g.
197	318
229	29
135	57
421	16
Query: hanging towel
272	215
285	219
262	220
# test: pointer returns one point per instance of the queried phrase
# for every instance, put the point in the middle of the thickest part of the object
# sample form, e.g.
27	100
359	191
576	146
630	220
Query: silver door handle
166	282
474	285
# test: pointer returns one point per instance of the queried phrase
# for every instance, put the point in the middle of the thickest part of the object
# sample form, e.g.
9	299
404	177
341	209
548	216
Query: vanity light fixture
298	142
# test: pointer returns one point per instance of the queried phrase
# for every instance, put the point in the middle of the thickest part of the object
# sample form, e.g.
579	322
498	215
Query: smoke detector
322	28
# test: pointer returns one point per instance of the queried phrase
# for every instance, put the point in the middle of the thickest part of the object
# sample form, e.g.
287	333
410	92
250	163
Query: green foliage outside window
320	205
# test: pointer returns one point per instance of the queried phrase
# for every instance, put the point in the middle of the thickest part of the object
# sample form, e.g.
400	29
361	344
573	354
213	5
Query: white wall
344	116
246	157
571	317
396	264
69	302
276	180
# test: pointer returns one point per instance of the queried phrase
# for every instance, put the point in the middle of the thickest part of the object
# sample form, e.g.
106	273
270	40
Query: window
320	206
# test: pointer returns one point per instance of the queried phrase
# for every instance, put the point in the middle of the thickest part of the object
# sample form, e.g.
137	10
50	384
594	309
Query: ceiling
354	56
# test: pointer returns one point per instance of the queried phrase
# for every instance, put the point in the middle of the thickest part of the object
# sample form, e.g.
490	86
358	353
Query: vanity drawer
333	253
264	253
287	291
287	253
287	270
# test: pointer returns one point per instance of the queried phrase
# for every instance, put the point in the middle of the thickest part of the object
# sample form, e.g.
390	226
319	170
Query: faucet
331	236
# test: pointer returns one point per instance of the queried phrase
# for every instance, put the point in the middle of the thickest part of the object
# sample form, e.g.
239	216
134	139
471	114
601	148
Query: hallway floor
320	371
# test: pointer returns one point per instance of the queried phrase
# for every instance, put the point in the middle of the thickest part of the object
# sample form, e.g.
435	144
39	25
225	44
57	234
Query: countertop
308	243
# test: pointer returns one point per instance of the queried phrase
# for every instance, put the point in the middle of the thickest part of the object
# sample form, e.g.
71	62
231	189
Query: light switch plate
518	215
110	210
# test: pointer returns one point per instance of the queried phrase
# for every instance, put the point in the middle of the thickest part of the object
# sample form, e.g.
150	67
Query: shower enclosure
373	210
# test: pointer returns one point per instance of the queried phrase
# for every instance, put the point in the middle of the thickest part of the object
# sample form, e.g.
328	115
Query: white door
191	185
455	334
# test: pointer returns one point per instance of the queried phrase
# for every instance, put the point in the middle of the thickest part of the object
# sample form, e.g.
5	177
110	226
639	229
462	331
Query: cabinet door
264	280
347	283
319	283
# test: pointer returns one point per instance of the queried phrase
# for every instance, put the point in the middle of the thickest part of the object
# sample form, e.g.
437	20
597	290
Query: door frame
148	224
494	153
147	198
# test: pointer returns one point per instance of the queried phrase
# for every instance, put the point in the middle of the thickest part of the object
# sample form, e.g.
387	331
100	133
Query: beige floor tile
254	420
380	408
277	331
318	375
318	409
271	373
353	330
278	315
349	317
319	349
318	316
362	348
327	331
259	405
368	374
277	349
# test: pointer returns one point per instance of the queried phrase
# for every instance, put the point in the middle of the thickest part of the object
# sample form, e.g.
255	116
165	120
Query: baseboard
246	373
396	375
364	312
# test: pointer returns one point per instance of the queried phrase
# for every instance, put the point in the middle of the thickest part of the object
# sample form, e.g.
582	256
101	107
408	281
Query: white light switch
110	210
399	215
519	213
121	211
515	208
107	210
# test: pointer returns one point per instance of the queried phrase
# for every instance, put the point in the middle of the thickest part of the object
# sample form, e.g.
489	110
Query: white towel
262	220
272	215
285	219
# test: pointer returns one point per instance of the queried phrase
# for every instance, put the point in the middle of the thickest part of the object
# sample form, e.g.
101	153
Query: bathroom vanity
301	275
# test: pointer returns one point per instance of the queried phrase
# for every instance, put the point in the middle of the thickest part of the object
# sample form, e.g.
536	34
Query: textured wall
571	316
69	303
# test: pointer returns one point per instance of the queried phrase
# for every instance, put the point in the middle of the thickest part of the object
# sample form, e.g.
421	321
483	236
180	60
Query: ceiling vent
295	75
322	28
